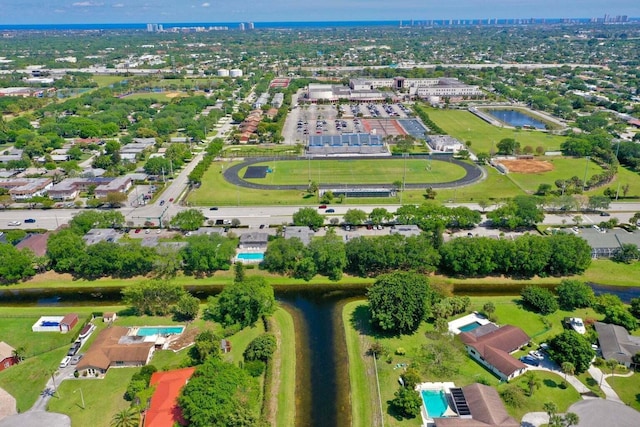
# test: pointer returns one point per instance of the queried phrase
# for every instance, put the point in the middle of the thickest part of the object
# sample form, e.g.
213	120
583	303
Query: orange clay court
527	166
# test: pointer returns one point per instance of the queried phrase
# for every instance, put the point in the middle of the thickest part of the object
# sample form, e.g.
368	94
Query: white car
577	325
65	362
15	223
536	355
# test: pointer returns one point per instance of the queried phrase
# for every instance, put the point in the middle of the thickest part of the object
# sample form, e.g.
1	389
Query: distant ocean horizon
297	24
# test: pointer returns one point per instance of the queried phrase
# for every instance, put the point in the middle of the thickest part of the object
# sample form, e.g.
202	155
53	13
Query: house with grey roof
616	343
406	230
305	234
605	243
254	240
97	235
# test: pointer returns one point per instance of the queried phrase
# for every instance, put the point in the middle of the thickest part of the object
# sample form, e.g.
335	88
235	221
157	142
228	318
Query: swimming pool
469	327
250	256
165	330
435	401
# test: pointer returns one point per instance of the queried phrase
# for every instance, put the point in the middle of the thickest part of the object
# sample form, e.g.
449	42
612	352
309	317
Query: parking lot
311	119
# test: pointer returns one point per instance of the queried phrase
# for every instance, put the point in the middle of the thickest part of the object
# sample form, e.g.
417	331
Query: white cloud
118	5
206	4
86	4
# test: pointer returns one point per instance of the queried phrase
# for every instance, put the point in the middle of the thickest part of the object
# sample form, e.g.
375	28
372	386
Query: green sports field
465	126
563	168
352	171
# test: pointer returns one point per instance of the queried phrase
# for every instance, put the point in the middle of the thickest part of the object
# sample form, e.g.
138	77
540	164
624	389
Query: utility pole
586	170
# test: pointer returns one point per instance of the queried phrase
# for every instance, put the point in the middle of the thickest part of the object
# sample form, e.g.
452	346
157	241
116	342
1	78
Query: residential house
7	356
97	235
114	348
406	230
616	343
164	410
11	154
305	234
225	346
26	188
484	406
254	240
70	188
37	243
492	347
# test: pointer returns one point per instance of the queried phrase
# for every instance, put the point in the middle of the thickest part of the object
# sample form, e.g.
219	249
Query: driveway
7	404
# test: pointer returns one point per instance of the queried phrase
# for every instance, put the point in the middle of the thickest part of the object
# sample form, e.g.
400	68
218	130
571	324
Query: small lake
516	118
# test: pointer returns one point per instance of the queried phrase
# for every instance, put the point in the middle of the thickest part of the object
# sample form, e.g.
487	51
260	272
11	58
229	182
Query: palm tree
550	408
571	419
532	381
18	354
568	368
129	417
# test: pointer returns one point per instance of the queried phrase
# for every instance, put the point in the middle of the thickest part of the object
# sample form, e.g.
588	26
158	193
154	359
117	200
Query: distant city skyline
21	12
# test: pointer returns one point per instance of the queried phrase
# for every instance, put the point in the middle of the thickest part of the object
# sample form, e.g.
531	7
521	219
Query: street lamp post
81	396
586	170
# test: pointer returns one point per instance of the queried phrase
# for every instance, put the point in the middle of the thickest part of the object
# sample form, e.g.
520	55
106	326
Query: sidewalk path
601	378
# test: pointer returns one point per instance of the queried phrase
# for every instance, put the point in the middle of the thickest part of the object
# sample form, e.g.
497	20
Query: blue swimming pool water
147	331
435	401
251	256
469	327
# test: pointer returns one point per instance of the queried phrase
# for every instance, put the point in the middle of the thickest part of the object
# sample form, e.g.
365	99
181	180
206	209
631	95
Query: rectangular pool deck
464	323
438	391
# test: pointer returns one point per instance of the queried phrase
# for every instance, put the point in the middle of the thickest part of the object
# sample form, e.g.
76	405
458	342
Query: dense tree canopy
153	297
217	394
521	211
309	217
188	220
571	347
261	347
243	303
207	253
399	301
540	300
328	253
574	294
15	264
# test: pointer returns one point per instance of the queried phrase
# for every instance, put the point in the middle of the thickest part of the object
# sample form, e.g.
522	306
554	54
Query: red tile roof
495	347
487	410
164	410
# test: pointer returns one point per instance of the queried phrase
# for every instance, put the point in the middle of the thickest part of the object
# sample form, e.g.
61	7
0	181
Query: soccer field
358	171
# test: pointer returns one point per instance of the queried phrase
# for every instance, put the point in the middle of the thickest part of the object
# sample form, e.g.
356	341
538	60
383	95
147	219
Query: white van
65	362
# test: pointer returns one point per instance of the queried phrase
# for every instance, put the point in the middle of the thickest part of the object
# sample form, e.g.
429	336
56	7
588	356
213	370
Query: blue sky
143	11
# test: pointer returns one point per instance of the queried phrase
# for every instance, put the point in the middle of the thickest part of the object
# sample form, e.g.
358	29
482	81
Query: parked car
171	199
29	221
530	360
65	362
536	355
331	210
161	202
577	325
75	359
137	230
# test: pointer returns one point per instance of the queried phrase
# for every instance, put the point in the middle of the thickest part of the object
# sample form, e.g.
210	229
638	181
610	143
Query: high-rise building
251	26
241	26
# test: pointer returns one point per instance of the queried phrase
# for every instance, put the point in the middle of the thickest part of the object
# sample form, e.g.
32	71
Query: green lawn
286	411
363	391
260	150
563	168
358	171
155	96
107	80
26	381
360	383
628	389
607	272
495	187
102	398
465	126
626	177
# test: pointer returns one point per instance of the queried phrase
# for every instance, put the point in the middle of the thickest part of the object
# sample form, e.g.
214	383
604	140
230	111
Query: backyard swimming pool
250	256
469	327
165	330
435	401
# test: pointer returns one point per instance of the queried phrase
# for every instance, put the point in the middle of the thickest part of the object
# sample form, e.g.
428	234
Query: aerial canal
322	373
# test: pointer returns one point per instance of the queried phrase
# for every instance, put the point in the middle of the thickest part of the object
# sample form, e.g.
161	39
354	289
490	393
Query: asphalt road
51	219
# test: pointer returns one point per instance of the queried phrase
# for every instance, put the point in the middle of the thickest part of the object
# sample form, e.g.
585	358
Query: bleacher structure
348	143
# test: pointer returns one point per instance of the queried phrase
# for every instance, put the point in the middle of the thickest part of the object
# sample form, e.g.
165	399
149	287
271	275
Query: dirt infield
172	94
527	166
